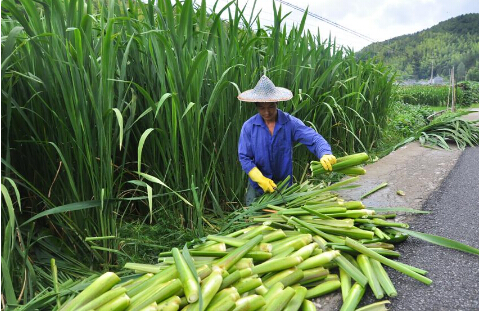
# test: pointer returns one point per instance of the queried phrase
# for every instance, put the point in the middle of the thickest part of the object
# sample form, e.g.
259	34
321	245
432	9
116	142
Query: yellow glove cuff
255	175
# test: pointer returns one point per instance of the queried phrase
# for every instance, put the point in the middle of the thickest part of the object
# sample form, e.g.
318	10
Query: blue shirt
273	154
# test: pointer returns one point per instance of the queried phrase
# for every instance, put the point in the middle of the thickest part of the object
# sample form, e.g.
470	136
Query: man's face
268	111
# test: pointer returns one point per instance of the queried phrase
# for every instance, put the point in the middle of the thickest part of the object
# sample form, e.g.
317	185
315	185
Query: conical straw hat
265	91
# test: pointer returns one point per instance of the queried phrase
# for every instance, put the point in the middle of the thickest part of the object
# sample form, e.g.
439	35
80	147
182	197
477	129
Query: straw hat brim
279	94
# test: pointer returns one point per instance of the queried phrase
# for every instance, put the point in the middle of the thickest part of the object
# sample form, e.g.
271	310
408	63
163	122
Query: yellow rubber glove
266	184
328	161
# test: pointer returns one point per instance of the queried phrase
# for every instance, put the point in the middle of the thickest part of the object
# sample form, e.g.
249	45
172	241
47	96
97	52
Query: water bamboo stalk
298	298
170	304
102	284
154	307
209	288
169	289
249	303
354	296
118	304
277	265
235	276
225	293
329	237
377	188
373	281
246	284
190	284
143	268
102	299
393	264
351	270
345	280
273	236
229	260
279	302
319	260
308	305
314	274
226	304
159	278
383	278
323	288
306	251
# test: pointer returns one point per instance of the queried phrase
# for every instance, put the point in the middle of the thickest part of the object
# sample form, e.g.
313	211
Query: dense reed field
120	109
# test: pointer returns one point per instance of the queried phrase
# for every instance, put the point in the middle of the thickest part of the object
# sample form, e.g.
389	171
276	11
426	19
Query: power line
353	32
249	6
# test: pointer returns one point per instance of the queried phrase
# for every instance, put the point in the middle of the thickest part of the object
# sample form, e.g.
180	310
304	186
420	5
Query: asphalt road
454	208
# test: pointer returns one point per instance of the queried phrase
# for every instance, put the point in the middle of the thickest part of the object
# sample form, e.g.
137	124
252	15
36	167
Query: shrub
470	92
473	74
406	118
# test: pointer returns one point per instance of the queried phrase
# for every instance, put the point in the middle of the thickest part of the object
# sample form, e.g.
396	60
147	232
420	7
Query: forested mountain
454	42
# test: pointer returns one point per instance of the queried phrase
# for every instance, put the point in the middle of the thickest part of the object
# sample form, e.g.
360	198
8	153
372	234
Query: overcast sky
378	20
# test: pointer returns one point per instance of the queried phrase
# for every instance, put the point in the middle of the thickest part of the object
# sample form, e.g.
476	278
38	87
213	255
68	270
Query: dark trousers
251	195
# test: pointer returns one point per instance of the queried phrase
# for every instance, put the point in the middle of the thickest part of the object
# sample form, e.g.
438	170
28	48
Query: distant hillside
454	42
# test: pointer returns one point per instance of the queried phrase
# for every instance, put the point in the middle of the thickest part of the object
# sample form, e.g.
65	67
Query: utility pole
449	89
453	100
432	69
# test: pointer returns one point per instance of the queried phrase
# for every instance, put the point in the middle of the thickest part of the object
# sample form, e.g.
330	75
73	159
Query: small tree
473	74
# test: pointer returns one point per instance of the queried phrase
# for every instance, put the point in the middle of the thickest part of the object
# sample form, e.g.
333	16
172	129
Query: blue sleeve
245	152
309	137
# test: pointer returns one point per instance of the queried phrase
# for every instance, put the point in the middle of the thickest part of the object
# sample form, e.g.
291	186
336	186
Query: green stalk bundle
341	164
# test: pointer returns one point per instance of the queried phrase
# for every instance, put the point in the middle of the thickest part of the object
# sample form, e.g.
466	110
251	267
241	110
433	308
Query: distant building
438	80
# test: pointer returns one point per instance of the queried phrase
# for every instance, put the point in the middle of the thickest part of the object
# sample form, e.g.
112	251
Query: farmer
266	140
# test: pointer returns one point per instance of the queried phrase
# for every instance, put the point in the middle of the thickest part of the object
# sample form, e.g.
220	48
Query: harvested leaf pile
296	244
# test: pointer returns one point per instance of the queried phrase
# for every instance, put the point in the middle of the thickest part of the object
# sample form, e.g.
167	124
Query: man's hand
266	184
328	161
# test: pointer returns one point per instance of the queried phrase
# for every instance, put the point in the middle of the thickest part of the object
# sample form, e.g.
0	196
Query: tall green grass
119	108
